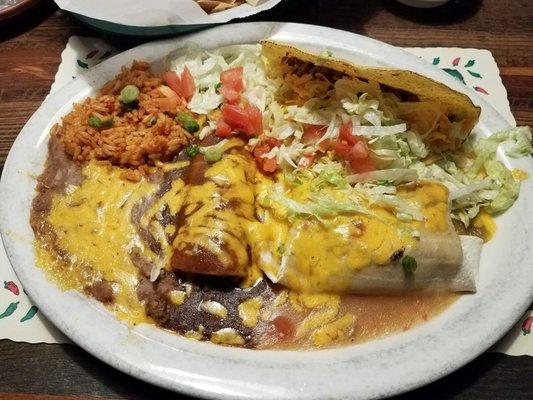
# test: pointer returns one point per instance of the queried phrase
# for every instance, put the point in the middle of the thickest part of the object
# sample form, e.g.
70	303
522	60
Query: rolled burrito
219	202
368	250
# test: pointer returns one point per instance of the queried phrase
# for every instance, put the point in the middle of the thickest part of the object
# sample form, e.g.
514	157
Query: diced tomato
173	81
359	150
306	160
223	129
346	133
283	326
235	116
168	104
248	120
187	84
313	133
342	148
260	149
353	149
183	85
272	142
269	164
362	165
231	95
232	84
232	78
263	147
255	120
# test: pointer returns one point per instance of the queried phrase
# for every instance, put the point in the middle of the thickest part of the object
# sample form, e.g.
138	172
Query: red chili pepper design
12	287
526	326
480	90
91	54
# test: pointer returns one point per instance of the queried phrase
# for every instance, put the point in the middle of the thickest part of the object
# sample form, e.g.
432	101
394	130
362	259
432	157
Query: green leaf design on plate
9	310
470	63
456	74
82	64
474	74
436	60
30	314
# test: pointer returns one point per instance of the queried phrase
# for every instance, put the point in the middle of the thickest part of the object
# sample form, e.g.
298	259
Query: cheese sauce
287	251
92	223
94	235
216	214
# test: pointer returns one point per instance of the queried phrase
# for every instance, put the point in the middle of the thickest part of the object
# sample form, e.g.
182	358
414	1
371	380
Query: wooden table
30	49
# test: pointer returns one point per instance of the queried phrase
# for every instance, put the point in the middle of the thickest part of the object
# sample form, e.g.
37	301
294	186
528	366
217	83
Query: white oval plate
379	368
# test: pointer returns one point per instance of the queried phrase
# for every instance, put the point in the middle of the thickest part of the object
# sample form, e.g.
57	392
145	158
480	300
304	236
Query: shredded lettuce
395	175
392	151
325	178
507	187
366	109
474	177
206	66
404	211
206	101
482	181
485	148
312	112
379	130
287	154
330	195
520	139
319	206
326	165
522	146
416	144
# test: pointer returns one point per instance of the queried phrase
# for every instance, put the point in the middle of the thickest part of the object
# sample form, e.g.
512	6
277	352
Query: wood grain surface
67	370
30	48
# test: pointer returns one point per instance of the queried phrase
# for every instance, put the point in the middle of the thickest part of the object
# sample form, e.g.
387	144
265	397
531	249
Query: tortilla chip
212	6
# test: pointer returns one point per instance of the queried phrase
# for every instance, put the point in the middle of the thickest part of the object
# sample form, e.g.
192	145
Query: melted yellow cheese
177	297
172	166
214	308
93	224
333	331
249	311
325	323
485	221
432	199
211	223
228	336
306	253
519	174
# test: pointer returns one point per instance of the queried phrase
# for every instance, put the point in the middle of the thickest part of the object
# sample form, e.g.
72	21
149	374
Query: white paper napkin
475	67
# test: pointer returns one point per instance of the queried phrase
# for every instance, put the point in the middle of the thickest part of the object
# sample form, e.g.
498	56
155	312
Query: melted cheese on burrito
307	255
